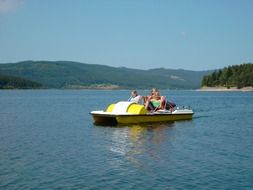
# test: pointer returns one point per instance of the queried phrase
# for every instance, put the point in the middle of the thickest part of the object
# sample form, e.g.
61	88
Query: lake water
48	141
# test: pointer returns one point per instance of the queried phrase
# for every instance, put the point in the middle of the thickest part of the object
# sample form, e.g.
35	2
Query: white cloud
9	5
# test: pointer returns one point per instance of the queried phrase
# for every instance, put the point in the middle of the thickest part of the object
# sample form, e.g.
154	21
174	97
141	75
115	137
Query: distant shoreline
203	89
225	89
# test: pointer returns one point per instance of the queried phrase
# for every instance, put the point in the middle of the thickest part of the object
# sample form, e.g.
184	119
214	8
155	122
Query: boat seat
121	107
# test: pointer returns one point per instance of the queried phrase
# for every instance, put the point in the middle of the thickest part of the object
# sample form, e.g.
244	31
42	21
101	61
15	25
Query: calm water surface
48	141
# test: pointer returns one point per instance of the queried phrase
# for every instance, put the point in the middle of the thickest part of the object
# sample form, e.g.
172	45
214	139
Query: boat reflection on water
135	143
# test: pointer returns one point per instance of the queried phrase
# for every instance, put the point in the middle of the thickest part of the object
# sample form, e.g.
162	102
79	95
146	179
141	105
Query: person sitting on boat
135	97
155	101
170	106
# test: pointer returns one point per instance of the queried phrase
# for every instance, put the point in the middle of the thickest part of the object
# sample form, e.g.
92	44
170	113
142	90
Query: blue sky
187	34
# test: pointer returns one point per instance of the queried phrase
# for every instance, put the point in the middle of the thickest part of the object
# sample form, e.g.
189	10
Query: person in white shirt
135	97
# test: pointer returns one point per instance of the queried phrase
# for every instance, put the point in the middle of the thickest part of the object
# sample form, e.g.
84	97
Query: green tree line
233	76
11	82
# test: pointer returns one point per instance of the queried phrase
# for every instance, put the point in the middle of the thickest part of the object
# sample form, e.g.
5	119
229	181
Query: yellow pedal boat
132	113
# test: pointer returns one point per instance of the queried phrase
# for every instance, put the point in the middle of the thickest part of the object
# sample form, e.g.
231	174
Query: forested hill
65	74
11	82
233	76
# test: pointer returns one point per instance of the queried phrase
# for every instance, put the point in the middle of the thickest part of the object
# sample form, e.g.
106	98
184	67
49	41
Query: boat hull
107	119
152	118
143	118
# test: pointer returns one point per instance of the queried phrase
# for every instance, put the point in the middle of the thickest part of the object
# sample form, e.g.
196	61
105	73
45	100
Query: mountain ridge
66	74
